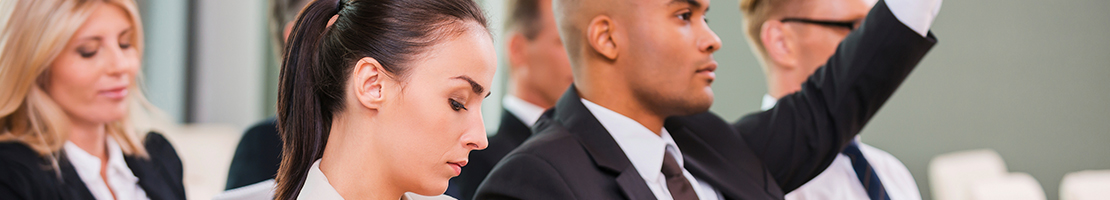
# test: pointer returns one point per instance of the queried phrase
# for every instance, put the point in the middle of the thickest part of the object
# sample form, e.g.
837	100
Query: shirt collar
768	102
316	185
526	112
88	165
642	147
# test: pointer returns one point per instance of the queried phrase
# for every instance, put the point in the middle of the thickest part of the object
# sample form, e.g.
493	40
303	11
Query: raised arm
803	133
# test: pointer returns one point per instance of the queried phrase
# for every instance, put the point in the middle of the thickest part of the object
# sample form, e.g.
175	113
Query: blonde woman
67	87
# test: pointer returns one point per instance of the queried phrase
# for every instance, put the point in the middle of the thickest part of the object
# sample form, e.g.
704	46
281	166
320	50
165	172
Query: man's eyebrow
693	3
477	88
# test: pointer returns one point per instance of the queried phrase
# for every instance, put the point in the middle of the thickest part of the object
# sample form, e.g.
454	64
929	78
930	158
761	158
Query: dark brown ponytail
318	60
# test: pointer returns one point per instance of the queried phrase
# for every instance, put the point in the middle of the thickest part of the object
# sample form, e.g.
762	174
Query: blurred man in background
258	155
539	73
795	37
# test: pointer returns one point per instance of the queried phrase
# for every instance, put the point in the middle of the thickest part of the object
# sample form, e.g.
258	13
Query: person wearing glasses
793	39
635	123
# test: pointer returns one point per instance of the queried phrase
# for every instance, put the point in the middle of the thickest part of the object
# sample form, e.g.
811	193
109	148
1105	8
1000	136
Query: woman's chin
435	189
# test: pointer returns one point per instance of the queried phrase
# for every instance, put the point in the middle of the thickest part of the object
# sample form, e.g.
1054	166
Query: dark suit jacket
257	157
512	133
571	156
26	175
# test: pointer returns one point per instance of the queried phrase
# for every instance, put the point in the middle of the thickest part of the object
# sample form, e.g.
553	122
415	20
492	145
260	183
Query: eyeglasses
850	25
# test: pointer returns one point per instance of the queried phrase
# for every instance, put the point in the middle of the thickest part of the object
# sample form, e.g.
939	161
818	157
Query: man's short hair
524	17
281	12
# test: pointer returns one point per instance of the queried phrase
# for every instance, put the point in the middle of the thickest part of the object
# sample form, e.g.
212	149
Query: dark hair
524	16
319	58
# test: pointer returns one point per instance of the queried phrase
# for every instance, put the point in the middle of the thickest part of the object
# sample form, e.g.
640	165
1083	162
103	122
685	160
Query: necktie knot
677	184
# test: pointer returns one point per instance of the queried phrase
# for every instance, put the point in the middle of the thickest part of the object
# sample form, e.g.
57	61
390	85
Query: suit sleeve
803	133
523	176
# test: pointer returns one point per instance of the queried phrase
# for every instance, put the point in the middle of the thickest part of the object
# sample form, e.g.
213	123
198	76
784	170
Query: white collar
316	185
642	147
526	112
87	167
768	102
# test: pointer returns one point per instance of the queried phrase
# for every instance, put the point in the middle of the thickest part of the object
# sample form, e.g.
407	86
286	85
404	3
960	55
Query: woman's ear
600	35
773	35
368	81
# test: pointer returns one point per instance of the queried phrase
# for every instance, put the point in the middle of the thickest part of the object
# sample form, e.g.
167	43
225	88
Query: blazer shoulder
158	146
18	153
163	154
749	121
548	139
24	174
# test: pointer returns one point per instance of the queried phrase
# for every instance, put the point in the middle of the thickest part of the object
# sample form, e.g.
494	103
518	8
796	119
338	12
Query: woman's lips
457	166
115	93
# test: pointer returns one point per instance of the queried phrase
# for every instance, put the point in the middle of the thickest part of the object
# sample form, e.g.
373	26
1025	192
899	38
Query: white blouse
123	183
316	186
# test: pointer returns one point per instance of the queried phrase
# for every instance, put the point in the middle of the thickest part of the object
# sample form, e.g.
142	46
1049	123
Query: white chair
1014	186
1085	185
951	174
206	151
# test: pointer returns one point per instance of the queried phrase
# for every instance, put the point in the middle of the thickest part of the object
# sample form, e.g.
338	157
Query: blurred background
1028	79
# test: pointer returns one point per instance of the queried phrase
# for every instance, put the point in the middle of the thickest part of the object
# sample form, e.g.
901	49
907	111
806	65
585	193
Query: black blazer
257	157
571	156
512	133
26	175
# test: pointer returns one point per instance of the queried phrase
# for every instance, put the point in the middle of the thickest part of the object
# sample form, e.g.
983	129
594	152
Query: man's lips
708	70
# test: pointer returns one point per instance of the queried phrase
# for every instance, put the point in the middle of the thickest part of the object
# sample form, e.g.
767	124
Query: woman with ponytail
68	93
380	99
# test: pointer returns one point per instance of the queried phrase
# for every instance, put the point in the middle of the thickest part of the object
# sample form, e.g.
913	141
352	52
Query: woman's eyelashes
85	52
455	105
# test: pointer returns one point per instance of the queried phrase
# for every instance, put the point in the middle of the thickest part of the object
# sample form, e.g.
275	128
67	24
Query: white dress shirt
646	150
526	112
839	181
123	183
916	14
316	186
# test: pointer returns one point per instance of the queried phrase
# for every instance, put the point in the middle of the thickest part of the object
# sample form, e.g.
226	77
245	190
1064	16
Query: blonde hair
34	33
755	13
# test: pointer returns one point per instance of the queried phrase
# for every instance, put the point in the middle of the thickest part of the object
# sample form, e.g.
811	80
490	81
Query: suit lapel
603	149
70	180
731	173
633	185
152	182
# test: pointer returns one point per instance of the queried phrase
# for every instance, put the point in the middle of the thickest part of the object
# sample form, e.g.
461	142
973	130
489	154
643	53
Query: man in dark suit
258	154
635	126
538	72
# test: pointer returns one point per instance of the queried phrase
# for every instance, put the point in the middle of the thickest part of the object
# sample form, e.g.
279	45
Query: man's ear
518	59
600	35
368	81
773	35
